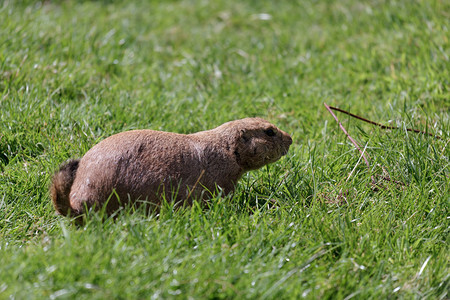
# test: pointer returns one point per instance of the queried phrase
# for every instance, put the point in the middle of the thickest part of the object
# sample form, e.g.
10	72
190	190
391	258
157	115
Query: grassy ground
75	72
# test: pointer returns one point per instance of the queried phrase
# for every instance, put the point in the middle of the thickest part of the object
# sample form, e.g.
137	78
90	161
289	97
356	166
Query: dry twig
342	196
378	124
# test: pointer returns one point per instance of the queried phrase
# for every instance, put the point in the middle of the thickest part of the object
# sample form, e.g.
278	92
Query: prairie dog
146	165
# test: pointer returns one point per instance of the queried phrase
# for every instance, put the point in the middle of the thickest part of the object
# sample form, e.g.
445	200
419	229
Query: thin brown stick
375	185
380	125
349	137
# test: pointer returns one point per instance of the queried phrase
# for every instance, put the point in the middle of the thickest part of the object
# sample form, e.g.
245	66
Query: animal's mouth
274	158
284	150
285	146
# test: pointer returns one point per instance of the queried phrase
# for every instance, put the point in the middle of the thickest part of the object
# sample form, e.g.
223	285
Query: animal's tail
60	188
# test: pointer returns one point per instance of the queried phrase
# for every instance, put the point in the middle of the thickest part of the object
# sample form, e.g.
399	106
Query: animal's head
258	142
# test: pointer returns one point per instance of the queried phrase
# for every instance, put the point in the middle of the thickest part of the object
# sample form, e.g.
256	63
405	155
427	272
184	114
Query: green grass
75	72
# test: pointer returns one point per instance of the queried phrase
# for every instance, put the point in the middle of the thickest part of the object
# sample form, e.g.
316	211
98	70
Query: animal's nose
288	139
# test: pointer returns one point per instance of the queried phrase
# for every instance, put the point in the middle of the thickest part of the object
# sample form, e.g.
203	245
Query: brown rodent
146	165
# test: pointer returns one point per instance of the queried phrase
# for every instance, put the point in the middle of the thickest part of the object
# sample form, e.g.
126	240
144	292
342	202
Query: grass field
75	72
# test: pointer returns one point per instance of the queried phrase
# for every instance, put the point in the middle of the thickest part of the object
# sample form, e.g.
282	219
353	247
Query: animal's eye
270	132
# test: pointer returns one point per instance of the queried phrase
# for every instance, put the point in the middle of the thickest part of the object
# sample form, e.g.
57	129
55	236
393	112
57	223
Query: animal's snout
289	139
286	143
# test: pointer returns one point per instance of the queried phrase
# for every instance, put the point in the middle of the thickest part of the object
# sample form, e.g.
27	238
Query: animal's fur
146	165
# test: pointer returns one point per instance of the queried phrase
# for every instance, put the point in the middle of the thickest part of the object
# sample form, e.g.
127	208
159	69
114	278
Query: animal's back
148	165
133	165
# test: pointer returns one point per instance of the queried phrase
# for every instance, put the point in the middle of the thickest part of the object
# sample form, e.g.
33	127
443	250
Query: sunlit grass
75	72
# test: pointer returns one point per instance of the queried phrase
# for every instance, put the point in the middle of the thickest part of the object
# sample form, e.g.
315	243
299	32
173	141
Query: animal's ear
245	136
